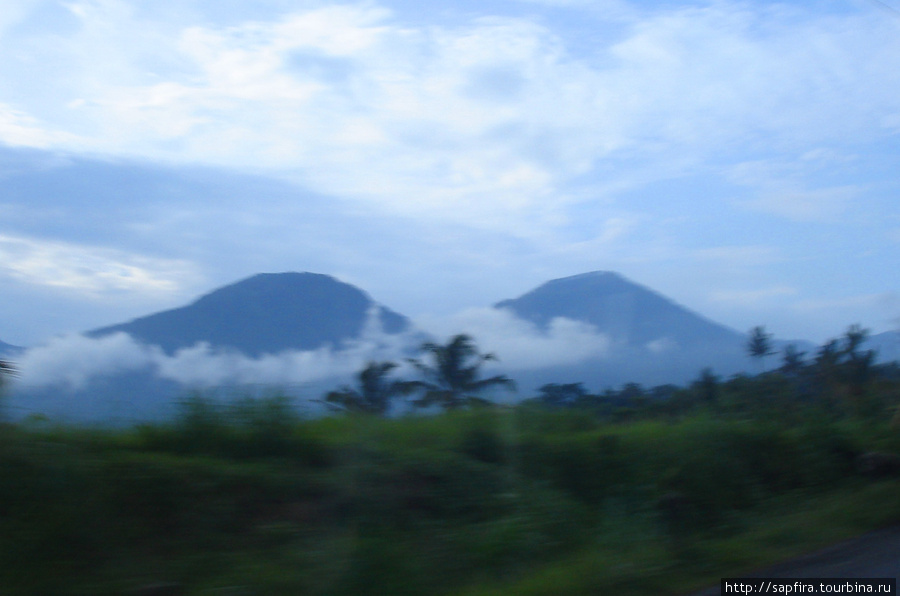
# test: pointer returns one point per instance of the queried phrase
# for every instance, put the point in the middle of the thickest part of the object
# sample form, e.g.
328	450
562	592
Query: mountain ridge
654	341
630	313
9	349
265	313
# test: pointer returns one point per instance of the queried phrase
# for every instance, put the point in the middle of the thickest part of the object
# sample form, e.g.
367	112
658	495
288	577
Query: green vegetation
633	491
452	381
374	394
7	370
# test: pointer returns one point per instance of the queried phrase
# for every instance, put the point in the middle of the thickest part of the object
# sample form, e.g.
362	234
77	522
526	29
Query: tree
853	338
7	371
792	361
845	371
707	387
562	395
858	367
452	381
759	345
828	358
375	391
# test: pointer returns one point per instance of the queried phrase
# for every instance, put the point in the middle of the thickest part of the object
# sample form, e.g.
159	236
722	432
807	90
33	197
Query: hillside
8	349
265	314
627	312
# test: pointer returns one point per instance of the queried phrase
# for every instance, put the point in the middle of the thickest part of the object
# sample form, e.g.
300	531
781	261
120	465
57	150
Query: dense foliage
622	492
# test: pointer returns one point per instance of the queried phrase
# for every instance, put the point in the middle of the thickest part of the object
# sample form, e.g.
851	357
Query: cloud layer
449	156
492	116
91	270
73	361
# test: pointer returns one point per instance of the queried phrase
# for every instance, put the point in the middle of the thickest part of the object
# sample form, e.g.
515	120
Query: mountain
9	349
653	340
628	313
266	313
886	345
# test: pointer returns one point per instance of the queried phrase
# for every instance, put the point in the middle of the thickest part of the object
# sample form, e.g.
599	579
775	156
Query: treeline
839	379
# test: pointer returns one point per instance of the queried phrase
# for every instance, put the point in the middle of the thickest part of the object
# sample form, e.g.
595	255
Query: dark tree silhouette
375	391
792	361
7	371
452	380
707	387
562	395
826	368
843	371
759	345
858	367
853	338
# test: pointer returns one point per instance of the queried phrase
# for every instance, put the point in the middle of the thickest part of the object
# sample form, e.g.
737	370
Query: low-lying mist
73	372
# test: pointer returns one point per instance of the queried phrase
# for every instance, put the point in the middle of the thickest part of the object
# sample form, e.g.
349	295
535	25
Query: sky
737	157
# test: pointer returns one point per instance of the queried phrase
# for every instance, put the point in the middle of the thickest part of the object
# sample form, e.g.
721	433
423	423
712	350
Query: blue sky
739	157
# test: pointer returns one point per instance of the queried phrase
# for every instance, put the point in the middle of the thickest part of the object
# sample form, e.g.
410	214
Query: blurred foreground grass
250	499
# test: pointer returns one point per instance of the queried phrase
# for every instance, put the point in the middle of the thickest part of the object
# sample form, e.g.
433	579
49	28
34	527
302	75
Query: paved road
876	554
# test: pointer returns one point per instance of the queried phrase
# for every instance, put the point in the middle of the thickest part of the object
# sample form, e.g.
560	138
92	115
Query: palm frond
452	376
499	380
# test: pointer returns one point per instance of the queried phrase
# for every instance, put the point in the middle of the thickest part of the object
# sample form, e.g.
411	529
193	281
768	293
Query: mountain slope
653	340
9	349
628	313
886	345
266	313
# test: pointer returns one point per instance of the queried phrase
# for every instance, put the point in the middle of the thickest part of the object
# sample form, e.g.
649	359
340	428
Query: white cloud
517	137
74	359
781	189
519	344
738	255
661	345
483	122
13	12
203	365
826	204
753	297
20	129
89	270
882	300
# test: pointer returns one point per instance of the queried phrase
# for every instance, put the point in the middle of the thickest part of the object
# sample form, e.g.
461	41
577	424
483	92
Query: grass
471	502
641	563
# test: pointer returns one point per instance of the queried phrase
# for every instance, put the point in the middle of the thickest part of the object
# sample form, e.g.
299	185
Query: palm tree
375	391
843	369
452	381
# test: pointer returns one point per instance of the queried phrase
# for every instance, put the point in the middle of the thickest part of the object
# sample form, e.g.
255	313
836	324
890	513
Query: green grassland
251	499
633	492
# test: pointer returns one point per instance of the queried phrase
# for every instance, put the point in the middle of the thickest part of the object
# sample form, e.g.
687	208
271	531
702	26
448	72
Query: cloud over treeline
73	361
519	344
